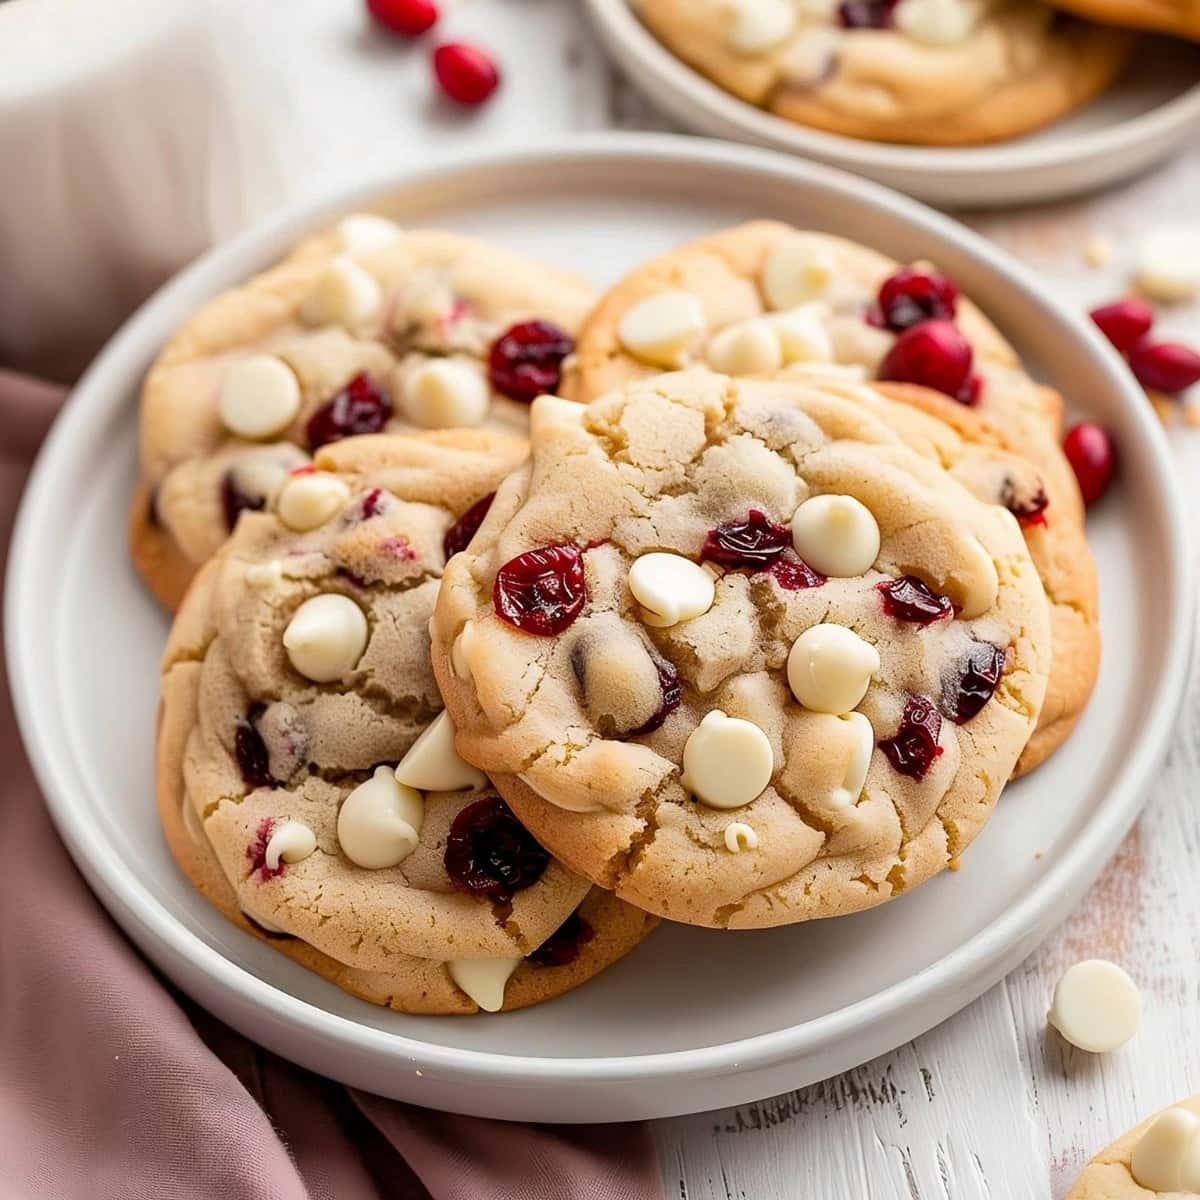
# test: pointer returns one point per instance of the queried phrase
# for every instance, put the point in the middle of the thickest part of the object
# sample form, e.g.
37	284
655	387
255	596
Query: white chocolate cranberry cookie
734	650
1178	17
307	774
936	72
365	329
763	299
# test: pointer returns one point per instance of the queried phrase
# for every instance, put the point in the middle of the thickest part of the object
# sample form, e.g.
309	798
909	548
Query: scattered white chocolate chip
937	22
1167	1156
360	233
308	501
660	328
345	294
265	576
829	668
428	298
855	777
1096	1006
973	585
432	764
745	348
484	979
445	393
326	637
836	535
670	588
459	650
739	836
759	25
803	336
291	841
553	412
1168	263
796	272
727	761
259	397
379	823
259	474
1098	250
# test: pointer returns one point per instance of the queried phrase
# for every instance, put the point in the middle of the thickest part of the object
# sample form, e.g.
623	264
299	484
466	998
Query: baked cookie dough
306	773
1178	17
930	72
768	300
366	328
733	650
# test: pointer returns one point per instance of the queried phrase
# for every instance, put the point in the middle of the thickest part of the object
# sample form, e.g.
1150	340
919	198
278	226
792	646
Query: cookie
306	774
931	72
1178	17
766	299
367	328
732	649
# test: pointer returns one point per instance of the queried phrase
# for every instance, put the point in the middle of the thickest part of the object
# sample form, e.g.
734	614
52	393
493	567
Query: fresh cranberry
866	14
1093	457
668	682
372	504
490	853
1165	366
526	359
458	536
466	74
541	591
234	502
915	744
913	295
362	406
1028	506
410	18
755	542
936	355
563	945
974	682
911	599
794	574
251	751
256	852
1124	323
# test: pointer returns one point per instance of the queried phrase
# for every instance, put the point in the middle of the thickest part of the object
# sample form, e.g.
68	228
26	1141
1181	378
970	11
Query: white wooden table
986	1105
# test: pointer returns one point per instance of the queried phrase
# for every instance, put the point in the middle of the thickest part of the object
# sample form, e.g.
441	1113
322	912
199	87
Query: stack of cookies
510	621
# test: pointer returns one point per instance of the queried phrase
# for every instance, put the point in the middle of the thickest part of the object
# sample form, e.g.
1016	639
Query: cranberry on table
1092	456
362	406
934	354
975	682
410	18
913	295
490	853
541	591
1165	366
913	600
526	360
755	542
1124	322
915	744
465	73
458	536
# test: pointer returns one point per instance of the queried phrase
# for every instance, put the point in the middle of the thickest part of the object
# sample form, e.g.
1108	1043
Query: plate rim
134	906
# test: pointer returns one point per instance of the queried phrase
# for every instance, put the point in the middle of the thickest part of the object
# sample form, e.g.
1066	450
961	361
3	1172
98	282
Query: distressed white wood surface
985	1106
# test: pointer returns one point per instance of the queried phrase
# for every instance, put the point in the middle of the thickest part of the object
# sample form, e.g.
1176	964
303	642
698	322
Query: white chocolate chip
739	836
259	474
796	272
346	294
445	393
727	761
432	764
265	576
379	823
308	501
836	535
758	25
326	637
1096	1006
937	22
484	979
855	777
810	59
973	585
745	348
1098	250
829	668
361	233
1167	1156
552	412
670	589
460	649
427	299
659	329
802	333
259	397
291	841
1168	263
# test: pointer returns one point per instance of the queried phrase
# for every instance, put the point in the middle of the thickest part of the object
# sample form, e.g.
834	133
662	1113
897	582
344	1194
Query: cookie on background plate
764	299
734	650
366	328
929	72
306	773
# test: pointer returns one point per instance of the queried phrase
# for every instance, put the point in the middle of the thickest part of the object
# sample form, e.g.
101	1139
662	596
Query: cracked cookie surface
650	732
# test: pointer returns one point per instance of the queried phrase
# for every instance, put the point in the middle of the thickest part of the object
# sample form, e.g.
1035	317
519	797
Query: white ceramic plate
1152	110
694	1019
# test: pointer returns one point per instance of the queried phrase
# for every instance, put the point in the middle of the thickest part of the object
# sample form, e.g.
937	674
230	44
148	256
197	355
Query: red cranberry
755	542
912	295
936	355
794	574
866	14
1165	366
362	406
1093	457
563	945
915	745
410	18
668	682
458	536
911	599
490	853
526	359
372	504
974	681
256	852
251	751
1027	505
234	502
1124	323
399	547
541	591
466	74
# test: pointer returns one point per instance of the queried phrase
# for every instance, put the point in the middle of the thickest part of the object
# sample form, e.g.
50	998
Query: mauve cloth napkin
113	1087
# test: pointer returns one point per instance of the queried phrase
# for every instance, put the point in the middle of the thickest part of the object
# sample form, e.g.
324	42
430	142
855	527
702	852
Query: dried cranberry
372	504
866	14
1165	366
936	355
755	542
1029	507
458	536
911	599
526	359
668	682
913	295
235	503
410	18
490	853
794	574
915	745
1093	458
563	945
251	751
466	74
399	547
362	406
256	852
974	681
1124	323
541	591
